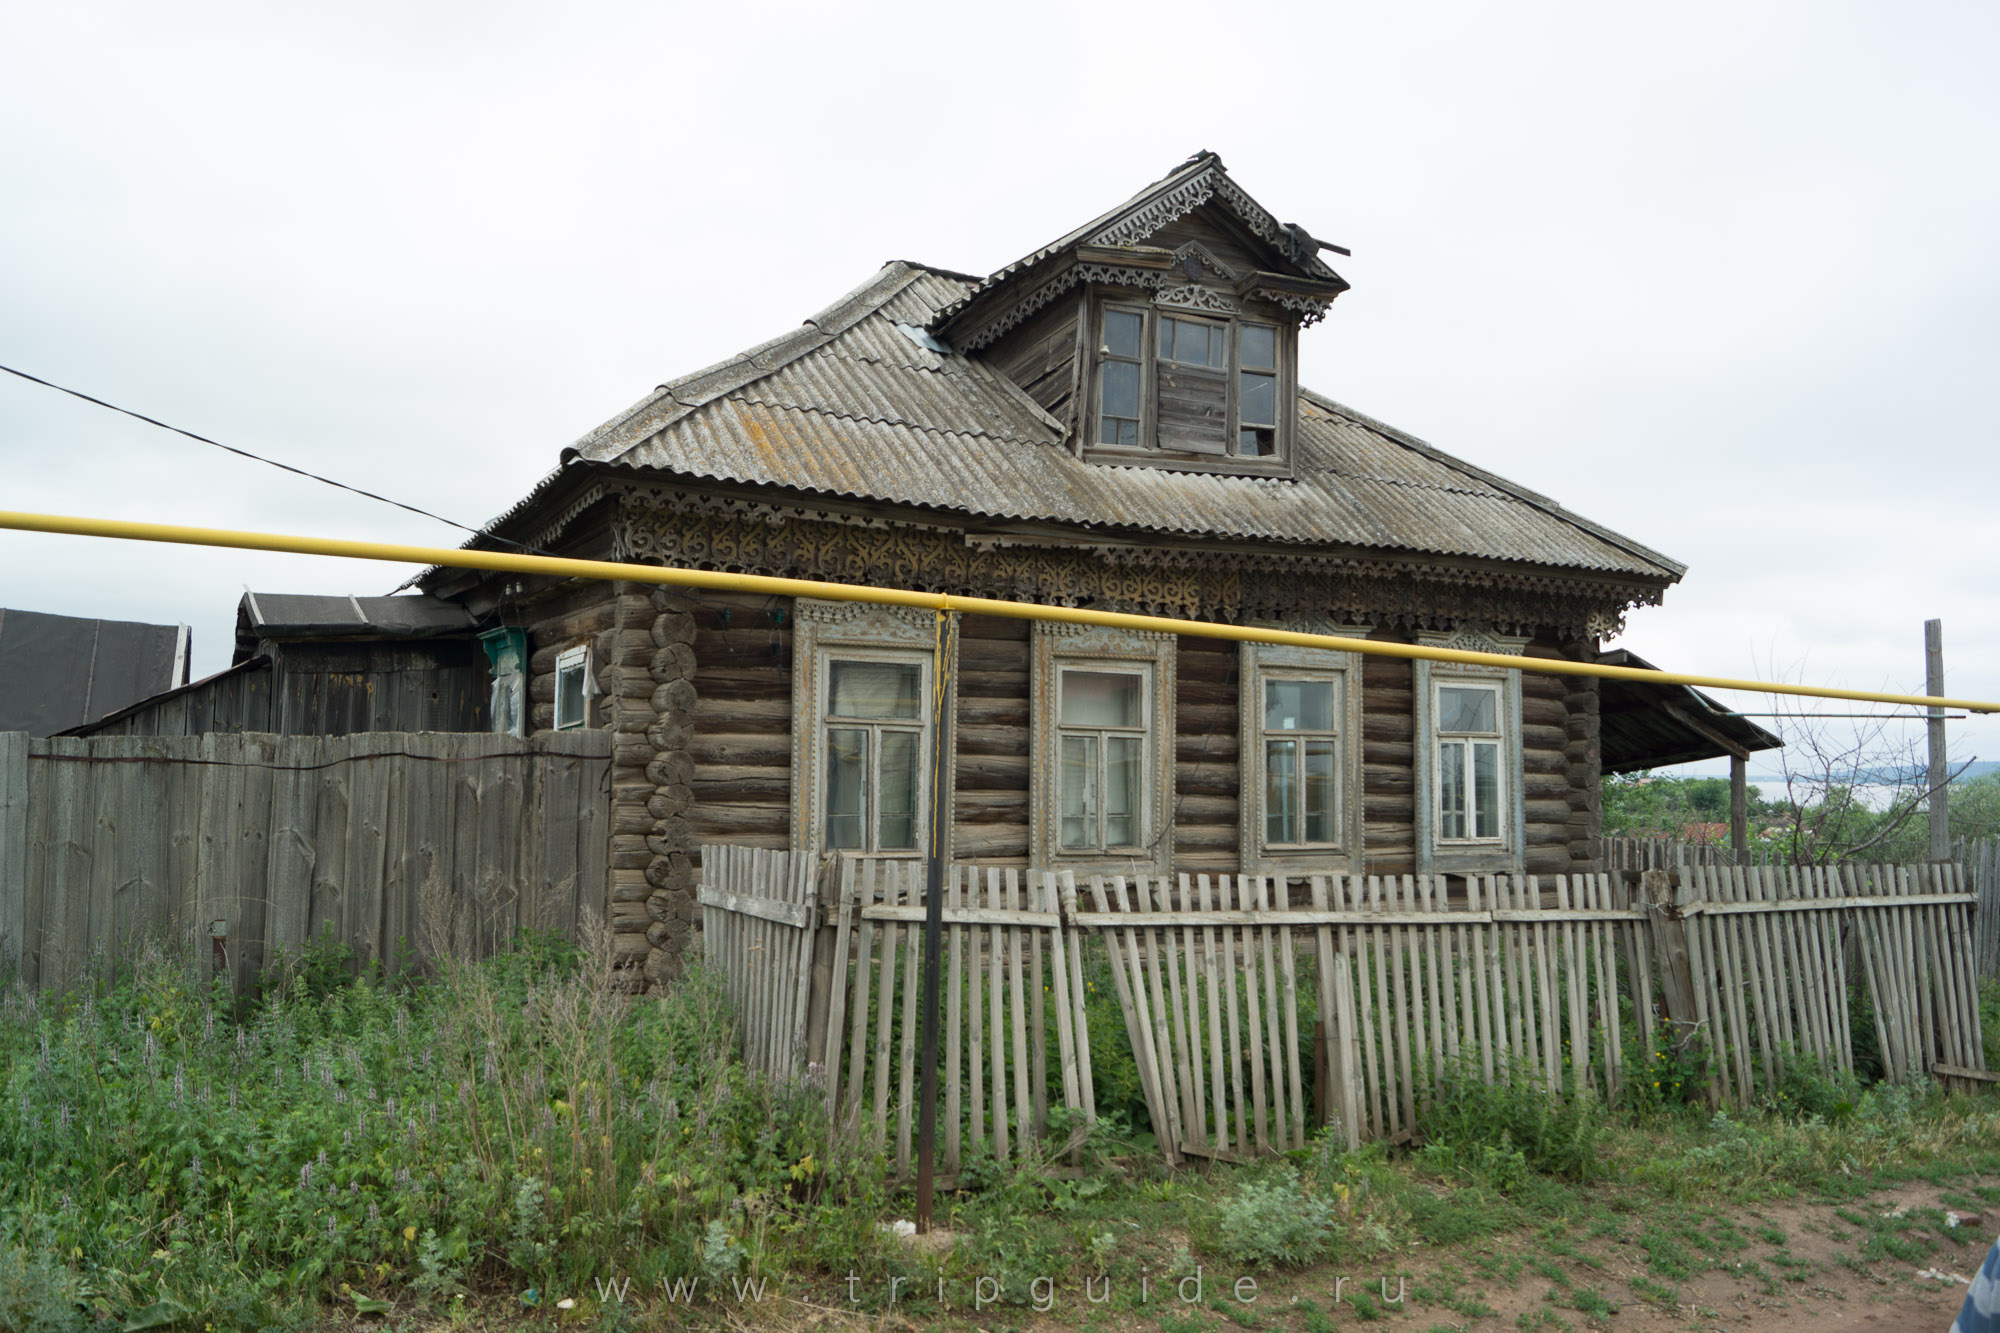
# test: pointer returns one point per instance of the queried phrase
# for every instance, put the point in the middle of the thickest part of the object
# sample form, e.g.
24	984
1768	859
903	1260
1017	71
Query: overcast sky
1722	277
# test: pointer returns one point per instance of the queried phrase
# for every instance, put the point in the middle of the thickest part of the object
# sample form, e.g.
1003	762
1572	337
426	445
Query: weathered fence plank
106	840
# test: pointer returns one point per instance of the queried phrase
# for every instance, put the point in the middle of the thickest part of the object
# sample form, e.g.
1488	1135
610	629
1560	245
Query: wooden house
1114	420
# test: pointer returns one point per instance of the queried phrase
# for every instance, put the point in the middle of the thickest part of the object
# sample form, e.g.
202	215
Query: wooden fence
1563	979
1011	966
759	913
387	840
1981	859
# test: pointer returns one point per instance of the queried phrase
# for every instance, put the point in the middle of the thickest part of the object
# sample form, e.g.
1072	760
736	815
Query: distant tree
1653	805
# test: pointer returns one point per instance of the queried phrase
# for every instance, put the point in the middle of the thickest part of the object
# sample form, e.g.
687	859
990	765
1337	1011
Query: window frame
1467	741
572	659
1261	663
1505	853
1101	734
1148	451
825	632
1055	648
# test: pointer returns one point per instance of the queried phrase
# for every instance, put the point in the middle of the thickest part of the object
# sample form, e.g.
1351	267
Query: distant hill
1888	776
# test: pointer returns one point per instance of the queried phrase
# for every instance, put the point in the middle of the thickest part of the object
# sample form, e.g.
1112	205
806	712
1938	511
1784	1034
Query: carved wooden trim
904	633
1509	857
1256	660
1176	203
1054	646
1208	260
696	530
1193	296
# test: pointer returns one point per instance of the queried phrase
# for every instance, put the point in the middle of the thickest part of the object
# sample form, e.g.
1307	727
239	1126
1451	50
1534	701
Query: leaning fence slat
954	1093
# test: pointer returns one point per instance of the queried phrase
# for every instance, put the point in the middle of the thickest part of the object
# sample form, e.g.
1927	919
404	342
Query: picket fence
1416	980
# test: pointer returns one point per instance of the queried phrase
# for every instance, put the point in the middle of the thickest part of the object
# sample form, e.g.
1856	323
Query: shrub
1495	1131
1274	1220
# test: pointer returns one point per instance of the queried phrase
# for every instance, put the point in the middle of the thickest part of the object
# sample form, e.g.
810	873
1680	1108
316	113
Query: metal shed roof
1652	726
854	404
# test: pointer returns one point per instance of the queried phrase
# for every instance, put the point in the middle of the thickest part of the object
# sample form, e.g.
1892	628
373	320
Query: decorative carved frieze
662	526
1174	204
1194	297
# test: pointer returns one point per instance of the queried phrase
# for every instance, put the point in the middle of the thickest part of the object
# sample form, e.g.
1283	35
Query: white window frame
1056	648
573	659
1264	662
1506	853
851	632
1467	743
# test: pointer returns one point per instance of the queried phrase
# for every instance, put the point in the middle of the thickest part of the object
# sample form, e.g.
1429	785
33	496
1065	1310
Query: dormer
1164	333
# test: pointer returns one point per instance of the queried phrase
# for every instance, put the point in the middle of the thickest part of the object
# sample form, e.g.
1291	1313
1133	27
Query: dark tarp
58	672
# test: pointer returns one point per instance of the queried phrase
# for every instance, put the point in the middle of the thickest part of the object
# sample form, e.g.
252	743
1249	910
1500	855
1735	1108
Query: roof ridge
1514	489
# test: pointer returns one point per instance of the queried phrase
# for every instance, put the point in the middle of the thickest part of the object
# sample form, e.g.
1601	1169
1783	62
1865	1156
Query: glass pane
846	784
1257	399
1079	791
1451	790
1319	791
1257	442
1191	343
569	696
1260	347
1462	709
1298	705
1100	699
1281	792
1486	790
1128	432
1121	791
1121	389
898	799
873	689
1121	333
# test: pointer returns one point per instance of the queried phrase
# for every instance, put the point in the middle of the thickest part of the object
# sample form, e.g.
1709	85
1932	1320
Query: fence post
819	1003
1670	948
14	849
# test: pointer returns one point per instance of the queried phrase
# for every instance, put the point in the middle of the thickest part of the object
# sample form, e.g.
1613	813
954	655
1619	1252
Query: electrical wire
285	467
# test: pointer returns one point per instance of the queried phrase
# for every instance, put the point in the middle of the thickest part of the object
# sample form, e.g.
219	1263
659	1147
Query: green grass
180	1161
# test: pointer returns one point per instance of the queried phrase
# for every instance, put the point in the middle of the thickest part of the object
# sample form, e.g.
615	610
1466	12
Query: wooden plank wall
398	844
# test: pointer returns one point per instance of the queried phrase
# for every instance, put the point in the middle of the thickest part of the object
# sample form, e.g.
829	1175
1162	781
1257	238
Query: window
1470	814
1191	385
874	722
1301	774
1468	762
1120	374
572	687
1301	762
1102	722
1101	741
862	712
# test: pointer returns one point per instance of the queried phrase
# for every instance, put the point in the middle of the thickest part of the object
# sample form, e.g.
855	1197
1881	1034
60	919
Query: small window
1469	772
1189	386
1193	342
1121	372
1301	762
1257	392
874	724
572	674
1102	727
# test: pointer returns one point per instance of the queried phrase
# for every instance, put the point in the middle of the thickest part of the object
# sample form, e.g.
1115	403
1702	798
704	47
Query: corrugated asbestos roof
851	405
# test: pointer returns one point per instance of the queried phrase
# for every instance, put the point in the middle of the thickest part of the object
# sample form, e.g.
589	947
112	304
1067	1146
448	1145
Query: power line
286	467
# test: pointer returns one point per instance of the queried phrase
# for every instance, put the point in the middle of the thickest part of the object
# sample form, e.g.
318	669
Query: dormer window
1198	389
